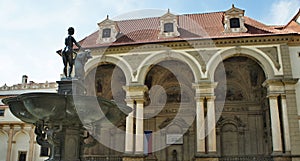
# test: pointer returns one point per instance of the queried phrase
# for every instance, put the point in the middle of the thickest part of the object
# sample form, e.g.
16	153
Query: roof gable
234	11
294	23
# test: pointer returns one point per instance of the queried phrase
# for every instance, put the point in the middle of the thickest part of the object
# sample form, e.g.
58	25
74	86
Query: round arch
261	58
165	55
21	132
98	60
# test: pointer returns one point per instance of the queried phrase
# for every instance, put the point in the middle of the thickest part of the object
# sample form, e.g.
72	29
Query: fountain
57	117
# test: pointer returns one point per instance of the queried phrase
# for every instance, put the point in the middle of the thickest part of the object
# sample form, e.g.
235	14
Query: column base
282	158
151	157
206	159
133	158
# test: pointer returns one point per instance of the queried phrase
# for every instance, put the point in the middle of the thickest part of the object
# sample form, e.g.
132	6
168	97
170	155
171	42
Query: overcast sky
32	30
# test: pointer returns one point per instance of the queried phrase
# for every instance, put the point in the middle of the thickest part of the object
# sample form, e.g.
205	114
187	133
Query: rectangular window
22	155
168	27
106	33
2	112
44	151
234	23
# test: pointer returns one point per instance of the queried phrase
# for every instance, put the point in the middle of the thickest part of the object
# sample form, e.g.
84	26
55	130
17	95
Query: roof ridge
156	17
203	13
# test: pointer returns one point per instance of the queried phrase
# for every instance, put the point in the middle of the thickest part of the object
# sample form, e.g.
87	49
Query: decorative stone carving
203	57
272	53
135	60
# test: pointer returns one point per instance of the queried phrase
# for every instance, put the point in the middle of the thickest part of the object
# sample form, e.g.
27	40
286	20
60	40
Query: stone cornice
289	39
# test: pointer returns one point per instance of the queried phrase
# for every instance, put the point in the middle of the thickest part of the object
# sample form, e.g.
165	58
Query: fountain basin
65	109
18	109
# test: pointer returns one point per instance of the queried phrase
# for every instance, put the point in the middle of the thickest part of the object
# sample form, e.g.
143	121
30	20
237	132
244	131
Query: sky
32	30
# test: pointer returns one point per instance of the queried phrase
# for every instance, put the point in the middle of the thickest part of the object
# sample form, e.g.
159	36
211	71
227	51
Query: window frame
234	23
106	33
2	113
167	26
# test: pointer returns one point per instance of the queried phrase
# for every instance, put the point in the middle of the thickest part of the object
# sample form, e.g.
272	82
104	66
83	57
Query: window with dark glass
2	112
168	27
106	33
22	156
44	151
234	23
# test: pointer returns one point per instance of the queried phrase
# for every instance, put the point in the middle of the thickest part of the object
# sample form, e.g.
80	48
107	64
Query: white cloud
282	11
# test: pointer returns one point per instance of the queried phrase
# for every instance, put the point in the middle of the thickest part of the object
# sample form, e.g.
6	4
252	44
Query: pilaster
9	142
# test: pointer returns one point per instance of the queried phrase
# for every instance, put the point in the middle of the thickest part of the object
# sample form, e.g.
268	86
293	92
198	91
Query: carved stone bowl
65	109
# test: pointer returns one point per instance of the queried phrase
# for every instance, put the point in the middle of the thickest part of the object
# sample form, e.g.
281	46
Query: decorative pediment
168	25
108	31
234	20
234	11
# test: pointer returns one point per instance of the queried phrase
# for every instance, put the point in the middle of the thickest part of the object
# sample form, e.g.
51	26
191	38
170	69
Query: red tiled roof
190	26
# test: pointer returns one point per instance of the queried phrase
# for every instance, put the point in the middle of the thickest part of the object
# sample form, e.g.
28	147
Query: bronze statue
68	52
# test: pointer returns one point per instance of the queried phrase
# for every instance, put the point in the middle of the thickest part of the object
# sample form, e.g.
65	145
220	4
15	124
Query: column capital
274	87
273	95
210	98
135	88
135	92
273	82
200	98
205	84
204	88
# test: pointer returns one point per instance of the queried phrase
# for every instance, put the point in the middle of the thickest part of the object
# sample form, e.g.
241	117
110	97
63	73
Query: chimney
24	79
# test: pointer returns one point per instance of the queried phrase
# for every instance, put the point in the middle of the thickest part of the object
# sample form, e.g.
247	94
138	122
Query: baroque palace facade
206	87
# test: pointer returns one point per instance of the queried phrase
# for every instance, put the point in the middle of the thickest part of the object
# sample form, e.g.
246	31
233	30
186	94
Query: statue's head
71	30
88	53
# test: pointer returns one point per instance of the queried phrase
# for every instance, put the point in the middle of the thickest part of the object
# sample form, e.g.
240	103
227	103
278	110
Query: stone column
9	142
286	131
135	93
275	124
129	128
200	125
211	125
139	137
205	89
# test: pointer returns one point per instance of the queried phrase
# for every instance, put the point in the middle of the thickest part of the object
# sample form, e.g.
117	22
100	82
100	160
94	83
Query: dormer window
234	23
106	33
168	27
234	20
